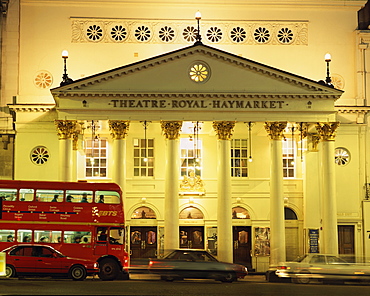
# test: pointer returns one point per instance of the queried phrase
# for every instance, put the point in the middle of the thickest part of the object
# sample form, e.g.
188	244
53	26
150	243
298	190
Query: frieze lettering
196	104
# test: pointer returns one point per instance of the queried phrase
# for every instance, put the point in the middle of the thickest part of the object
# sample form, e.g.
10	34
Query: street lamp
328	60
198	16
66	80
327	81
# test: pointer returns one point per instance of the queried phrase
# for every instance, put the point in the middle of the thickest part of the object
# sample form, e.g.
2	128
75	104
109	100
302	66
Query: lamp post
198	38
66	80
328	60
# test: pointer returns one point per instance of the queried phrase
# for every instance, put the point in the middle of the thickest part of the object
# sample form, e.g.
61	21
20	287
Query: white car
323	267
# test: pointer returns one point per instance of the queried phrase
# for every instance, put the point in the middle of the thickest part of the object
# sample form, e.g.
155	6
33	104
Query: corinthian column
66	132
329	199
171	131
119	129
224	130
277	219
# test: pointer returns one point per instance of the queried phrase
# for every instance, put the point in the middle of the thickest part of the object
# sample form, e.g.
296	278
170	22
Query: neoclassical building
230	132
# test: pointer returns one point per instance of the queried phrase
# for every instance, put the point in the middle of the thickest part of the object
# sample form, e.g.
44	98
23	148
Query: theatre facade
213	150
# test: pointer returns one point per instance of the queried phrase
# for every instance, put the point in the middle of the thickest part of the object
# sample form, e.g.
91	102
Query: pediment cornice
81	87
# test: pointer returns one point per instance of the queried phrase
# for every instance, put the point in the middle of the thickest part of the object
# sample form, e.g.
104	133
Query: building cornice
198	95
353	109
31	107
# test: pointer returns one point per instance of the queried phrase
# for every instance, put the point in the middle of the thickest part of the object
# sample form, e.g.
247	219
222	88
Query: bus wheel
10	271
109	269
77	273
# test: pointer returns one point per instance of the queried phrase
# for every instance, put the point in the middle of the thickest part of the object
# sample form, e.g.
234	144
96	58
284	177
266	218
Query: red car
41	260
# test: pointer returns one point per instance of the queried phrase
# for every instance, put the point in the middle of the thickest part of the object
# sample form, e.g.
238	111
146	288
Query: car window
21	251
318	259
335	260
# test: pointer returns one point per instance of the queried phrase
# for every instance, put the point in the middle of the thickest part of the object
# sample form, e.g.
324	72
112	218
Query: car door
21	258
46	261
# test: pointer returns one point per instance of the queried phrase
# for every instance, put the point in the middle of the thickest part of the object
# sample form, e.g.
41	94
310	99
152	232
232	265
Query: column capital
275	129
119	128
171	129
327	130
66	128
224	129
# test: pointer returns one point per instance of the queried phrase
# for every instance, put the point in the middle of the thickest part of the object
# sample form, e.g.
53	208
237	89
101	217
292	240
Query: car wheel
10	271
167	278
109	269
228	277
302	279
77	273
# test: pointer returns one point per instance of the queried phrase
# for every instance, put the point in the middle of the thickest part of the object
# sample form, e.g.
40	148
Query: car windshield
299	258
191	256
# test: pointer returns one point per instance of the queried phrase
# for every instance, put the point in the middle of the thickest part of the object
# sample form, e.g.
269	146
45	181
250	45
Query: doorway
346	239
143	242
242	246
191	237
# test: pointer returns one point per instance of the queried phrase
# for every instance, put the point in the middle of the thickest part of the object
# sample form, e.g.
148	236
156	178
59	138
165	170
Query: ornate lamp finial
198	16
66	80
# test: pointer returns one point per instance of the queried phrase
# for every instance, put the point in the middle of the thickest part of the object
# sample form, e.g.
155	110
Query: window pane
239	158
7	235
143	157
96	164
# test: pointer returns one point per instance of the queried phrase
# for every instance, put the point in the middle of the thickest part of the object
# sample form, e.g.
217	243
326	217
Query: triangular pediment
195	82
169	74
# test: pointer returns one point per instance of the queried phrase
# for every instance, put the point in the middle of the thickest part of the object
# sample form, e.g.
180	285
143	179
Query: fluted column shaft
171	131
329	199
66	131
277	219
224	131
119	129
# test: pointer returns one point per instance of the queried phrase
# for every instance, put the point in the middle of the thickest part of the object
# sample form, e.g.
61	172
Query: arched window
290	214
143	213
191	213
240	213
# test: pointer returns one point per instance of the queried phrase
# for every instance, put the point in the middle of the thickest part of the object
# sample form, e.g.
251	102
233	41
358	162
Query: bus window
47	236
77	237
24	235
110	197
49	195
80	196
26	194
7	235
8	194
116	235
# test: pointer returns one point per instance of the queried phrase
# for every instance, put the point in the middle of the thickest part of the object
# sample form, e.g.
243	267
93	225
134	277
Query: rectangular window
24	235
77	237
289	156
144	157
7	235
47	236
48	195
96	158
239	158
191	156
79	196
8	194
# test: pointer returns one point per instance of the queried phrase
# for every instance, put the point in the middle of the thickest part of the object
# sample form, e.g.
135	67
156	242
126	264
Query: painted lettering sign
196	104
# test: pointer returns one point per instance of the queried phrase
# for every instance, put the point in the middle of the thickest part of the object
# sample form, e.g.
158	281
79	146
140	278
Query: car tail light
283	267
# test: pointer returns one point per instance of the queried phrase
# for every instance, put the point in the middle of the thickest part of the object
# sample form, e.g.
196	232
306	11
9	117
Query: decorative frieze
66	128
171	129
275	129
224	129
99	30
119	128
327	130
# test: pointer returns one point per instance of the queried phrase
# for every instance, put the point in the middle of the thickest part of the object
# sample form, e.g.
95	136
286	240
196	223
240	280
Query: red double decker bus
83	220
